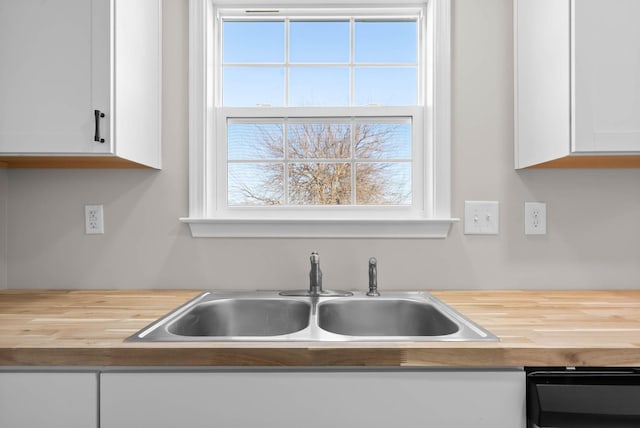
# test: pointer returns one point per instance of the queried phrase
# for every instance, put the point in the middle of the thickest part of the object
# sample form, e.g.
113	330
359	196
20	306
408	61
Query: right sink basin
382	317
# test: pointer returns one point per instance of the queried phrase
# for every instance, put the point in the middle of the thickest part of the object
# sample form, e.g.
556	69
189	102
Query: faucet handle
373	277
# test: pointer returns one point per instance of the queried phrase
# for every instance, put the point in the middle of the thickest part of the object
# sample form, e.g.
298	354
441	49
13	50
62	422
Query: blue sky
257	51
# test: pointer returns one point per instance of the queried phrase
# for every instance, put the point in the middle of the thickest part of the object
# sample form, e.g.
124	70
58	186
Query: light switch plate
481	217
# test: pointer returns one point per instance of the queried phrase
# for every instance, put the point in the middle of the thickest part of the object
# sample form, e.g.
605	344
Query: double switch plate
481	217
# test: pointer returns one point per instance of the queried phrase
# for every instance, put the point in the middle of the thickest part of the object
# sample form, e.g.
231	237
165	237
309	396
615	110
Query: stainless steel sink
268	316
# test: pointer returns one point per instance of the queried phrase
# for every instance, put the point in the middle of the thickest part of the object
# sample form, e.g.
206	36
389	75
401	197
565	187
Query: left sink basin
220	317
243	317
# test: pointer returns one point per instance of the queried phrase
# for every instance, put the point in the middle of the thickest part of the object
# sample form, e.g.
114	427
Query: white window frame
429	218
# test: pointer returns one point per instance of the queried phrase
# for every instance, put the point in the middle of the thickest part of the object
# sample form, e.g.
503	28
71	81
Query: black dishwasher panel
583	397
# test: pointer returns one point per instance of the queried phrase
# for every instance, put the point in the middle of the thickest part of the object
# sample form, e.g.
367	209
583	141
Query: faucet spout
315	275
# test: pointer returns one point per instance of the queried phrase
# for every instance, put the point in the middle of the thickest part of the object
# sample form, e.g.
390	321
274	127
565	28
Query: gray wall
3	227
593	215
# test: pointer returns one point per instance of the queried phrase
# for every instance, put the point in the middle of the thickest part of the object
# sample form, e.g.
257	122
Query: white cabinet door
577	81
542	81
49	51
51	400
62	61
314	399
606	69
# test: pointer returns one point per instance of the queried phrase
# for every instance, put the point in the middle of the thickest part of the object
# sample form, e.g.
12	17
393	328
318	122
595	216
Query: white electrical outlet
93	219
535	218
481	217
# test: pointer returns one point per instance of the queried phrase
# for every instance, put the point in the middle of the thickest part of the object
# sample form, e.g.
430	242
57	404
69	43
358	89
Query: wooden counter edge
318	357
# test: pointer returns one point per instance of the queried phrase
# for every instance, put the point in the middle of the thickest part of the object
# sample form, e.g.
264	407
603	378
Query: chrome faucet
315	275
315	283
373	277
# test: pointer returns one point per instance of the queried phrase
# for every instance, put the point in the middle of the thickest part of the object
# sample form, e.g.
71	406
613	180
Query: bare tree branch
324	175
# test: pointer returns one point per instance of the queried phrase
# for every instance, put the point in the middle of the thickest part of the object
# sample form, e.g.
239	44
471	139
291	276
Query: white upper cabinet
606	70
577	83
80	79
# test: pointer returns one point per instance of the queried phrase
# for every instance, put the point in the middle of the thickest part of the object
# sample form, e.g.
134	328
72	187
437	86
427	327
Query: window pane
324	161
253	86
385	86
316	86
255	184
320	183
319	141
253	42
385	42
319	41
380	183
378	140
252	141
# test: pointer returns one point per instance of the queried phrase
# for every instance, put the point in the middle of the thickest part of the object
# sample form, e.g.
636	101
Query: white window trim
205	221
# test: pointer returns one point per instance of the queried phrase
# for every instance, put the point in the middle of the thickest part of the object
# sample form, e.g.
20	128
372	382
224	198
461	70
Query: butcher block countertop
536	328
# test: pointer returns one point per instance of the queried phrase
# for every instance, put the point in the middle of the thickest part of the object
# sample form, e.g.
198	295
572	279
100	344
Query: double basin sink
269	316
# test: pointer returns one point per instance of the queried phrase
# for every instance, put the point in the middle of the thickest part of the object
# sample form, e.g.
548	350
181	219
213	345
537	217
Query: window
319	122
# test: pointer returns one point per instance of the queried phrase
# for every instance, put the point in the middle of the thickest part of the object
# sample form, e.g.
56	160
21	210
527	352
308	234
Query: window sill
349	228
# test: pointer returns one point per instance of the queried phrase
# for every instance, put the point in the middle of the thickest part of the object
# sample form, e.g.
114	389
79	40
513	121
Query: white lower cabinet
313	398
52	400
